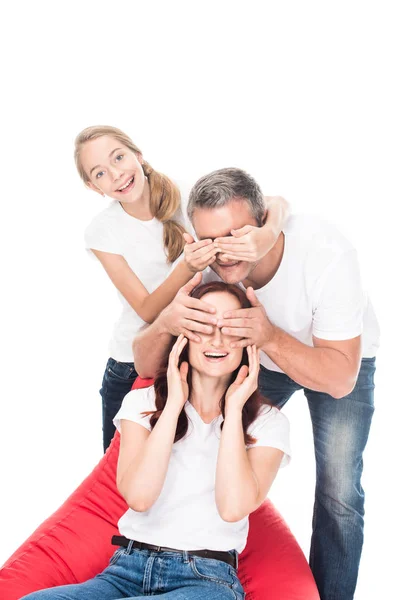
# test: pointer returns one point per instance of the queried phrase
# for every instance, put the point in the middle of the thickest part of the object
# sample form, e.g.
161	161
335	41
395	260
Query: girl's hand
248	243
245	383
178	389
252	243
198	255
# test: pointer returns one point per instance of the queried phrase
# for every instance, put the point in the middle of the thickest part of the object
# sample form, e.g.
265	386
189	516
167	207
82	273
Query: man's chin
234	274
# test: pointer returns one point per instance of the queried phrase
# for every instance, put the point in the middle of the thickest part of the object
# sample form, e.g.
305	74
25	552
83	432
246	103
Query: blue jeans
134	573
340	429
117	381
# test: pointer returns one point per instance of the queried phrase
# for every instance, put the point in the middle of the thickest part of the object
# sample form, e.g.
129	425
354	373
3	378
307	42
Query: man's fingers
240	313
237	331
235	323
241	343
190	285
197	327
252	297
191	336
199	305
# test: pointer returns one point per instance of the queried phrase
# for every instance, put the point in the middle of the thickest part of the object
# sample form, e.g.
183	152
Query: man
308	313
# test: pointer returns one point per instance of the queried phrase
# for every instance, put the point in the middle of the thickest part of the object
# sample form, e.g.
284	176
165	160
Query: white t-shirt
141	244
185	514
317	289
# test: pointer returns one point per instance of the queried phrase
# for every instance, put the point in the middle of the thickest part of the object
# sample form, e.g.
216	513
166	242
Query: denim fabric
117	382
136	573
340	429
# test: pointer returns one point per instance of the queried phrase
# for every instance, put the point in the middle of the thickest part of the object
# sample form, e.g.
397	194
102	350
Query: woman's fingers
241	376
184	368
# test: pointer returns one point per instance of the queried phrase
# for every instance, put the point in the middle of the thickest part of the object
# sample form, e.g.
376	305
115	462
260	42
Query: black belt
227	557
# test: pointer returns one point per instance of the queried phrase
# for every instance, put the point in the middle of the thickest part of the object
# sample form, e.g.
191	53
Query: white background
301	94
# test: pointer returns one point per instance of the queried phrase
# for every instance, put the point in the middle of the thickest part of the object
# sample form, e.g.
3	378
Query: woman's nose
217	340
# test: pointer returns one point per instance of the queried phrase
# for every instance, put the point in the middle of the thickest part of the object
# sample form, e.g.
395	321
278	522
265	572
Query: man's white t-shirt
317	289
185	515
141	245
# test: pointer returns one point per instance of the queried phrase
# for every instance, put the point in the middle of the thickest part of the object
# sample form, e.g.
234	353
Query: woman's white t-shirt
185	515
141	245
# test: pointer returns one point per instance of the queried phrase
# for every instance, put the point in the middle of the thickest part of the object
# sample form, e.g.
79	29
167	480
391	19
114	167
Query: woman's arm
243	477
252	243
148	306
144	457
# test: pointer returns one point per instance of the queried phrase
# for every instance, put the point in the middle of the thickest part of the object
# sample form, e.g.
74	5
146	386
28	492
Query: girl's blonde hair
165	197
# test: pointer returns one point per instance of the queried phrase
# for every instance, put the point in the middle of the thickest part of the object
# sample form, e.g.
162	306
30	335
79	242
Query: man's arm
185	315
328	366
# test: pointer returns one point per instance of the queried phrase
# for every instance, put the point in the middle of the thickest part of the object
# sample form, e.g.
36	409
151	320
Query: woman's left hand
246	381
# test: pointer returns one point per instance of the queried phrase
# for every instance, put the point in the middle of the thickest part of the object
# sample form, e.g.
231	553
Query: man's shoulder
315	231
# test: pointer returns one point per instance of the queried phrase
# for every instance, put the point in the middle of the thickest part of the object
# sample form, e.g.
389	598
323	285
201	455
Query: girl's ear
91	186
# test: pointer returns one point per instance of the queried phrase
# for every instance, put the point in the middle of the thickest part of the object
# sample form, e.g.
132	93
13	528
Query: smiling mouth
127	186
215	356
227	265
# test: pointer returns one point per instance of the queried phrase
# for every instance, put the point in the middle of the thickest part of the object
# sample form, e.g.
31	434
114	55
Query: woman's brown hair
253	404
165	197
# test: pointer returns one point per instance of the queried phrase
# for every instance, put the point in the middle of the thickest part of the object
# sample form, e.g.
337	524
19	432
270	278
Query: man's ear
264	220
91	186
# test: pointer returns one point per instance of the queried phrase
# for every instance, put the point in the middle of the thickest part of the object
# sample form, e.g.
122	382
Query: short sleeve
100	235
133	405
339	305
271	428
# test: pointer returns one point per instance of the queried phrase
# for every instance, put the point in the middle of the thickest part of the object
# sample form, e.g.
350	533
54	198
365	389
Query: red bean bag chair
74	544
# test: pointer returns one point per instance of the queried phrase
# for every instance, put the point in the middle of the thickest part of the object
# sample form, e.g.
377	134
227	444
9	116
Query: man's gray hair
222	186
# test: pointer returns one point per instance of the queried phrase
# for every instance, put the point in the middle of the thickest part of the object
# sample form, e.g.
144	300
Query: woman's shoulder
105	216
135	405
269	417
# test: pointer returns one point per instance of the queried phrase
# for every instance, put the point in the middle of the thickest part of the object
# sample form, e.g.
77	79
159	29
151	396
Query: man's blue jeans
340	429
136	573
117	382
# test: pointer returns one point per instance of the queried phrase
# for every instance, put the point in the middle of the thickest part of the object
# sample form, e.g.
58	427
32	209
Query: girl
138	238
199	452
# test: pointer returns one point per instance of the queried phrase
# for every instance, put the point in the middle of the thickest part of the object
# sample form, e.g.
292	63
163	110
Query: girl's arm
144	457
148	306
252	243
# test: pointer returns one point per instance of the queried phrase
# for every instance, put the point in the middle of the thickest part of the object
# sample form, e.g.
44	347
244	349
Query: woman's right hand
199	255
178	389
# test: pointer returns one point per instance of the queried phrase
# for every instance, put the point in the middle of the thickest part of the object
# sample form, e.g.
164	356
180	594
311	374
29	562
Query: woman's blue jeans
340	429
134	573
117	381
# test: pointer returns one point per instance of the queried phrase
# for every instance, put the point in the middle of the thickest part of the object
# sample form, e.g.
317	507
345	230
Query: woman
199	452
139	238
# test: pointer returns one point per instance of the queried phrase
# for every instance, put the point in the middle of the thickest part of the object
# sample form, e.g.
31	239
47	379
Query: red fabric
74	544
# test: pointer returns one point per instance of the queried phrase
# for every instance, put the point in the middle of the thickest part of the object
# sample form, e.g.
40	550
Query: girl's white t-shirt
141	245
185	515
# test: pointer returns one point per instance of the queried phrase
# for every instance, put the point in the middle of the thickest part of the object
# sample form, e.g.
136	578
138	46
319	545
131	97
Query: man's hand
199	255
250	324
186	315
